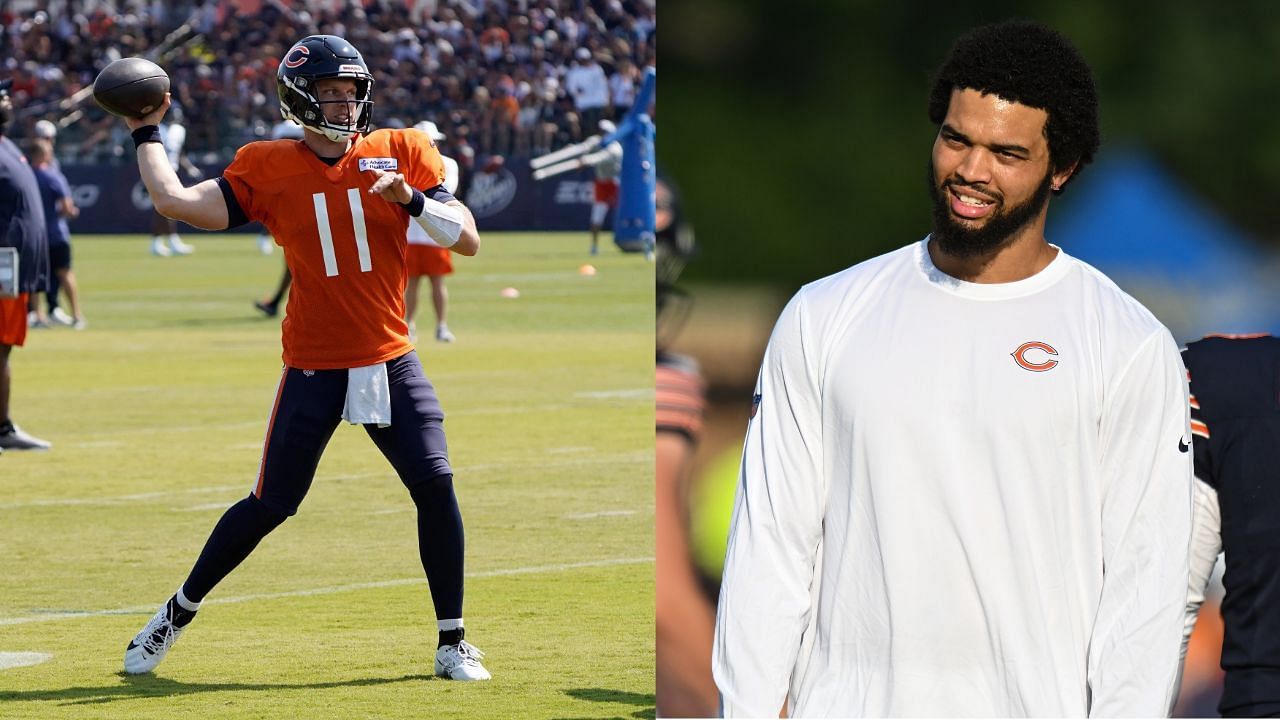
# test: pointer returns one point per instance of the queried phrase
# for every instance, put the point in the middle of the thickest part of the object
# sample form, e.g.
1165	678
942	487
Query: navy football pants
307	410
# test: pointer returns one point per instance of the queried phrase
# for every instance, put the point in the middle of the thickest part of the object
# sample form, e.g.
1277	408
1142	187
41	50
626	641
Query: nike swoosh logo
1182	445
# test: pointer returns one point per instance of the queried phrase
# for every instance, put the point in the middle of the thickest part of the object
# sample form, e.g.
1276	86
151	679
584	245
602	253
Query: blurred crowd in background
498	78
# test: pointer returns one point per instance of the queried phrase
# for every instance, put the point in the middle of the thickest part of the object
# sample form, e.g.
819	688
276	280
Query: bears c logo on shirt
1035	356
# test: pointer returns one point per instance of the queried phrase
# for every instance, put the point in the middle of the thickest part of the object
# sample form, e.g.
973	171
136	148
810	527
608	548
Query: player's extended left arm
1133	662
450	224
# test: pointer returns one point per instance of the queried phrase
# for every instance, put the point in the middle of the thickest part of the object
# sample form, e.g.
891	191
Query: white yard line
602	513
122	499
22	659
330	590
202	507
628	458
634	393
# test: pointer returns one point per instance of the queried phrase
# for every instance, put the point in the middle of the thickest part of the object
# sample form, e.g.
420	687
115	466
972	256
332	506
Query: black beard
960	241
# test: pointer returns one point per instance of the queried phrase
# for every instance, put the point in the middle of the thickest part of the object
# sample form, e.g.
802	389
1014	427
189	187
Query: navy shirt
53	187
1235	413
22	217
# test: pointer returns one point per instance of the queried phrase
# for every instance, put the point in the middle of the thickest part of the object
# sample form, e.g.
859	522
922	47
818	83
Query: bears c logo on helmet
297	56
1044	353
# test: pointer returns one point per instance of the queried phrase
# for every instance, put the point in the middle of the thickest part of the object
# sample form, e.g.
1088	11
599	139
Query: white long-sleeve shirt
960	499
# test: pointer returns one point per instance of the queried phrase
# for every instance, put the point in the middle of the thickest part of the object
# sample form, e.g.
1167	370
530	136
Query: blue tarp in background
1133	221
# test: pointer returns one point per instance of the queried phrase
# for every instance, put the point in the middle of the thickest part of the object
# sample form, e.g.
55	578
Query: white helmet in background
430	129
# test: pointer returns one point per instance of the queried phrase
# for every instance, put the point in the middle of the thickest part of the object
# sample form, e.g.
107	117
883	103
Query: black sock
178	614
6	427
451	637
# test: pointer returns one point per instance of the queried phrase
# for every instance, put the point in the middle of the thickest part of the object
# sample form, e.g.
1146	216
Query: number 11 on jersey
326	233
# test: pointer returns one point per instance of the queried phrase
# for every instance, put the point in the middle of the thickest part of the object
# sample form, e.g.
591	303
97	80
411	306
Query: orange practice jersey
345	247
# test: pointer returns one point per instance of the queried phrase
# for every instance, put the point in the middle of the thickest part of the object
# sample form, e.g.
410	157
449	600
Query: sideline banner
112	199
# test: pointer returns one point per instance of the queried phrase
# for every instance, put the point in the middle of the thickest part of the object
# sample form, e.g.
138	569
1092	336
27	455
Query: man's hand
152	118
390	186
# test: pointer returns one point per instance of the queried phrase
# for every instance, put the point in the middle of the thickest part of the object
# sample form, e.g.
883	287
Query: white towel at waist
368	396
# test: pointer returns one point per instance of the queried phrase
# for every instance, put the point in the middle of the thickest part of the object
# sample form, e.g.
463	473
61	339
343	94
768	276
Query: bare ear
1060	177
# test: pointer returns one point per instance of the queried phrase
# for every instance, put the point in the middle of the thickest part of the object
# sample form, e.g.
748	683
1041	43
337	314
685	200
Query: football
131	87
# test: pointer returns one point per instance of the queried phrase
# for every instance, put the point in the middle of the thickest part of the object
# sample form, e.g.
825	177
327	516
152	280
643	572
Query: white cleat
265	245
443	334
460	662
177	247
150	646
159	249
60	317
15	438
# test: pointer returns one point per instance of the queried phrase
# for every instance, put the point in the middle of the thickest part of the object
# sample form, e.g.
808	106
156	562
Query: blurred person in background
223	73
605	185
684	611
622	87
22	229
425	258
587	85
1235	428
164	231
950	442
46	133
59	207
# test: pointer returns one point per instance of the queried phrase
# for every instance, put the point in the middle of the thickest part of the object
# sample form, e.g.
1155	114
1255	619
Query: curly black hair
1027	63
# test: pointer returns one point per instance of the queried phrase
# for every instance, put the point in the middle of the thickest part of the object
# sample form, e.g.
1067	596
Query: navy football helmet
316	58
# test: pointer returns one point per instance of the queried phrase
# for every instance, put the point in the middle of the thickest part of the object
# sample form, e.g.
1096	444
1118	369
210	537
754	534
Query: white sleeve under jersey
417	235
959	499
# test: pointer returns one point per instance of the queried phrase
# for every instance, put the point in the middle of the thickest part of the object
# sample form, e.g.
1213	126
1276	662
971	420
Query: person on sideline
965	488
1235	431
22	236
426	259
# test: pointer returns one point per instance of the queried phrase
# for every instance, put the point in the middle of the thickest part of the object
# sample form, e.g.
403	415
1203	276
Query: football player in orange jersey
338	201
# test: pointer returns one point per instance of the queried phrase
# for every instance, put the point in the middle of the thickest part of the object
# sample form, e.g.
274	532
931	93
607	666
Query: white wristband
443	223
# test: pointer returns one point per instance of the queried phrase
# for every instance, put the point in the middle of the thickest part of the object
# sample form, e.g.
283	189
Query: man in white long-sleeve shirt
966	485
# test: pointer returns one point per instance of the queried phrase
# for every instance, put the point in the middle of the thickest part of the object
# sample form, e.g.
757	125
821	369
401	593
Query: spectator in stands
589	87
622	87
450	66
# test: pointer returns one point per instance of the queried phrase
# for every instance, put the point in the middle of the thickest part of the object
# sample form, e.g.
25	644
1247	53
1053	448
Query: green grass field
157	413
